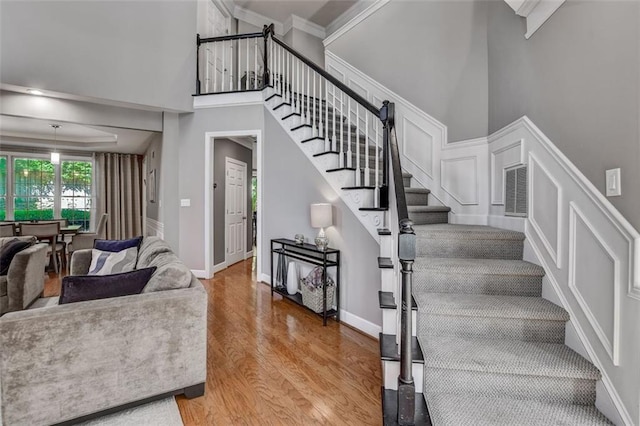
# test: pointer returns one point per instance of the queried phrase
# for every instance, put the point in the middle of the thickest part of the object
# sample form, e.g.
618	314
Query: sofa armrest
85	357
25	278
80	262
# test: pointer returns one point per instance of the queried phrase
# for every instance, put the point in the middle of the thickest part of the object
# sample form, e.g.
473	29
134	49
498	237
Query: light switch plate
185	202
613	183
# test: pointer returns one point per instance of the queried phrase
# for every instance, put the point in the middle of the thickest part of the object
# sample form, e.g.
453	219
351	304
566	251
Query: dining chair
84	240
48	232
7	229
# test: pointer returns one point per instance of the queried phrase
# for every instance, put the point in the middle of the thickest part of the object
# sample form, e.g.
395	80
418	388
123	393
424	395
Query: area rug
158	413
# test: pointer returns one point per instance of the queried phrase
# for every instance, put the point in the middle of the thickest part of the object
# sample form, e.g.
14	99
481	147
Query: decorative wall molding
553	243
227	100
590	255
458	177
536	12
257	20
154	228
353	22
610	343
294	21
503	157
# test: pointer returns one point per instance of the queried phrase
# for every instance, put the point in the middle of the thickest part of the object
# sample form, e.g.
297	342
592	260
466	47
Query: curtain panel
119	181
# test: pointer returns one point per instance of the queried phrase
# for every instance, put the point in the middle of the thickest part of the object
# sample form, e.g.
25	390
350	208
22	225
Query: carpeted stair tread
417	191
478	266
458	410
511	357
428	209
492	306
455	231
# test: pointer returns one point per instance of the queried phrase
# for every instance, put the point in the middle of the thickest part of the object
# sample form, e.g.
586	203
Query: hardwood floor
271	362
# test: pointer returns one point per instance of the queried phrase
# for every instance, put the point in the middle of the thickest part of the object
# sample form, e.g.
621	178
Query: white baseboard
265	279
248	254
506	222
200	273
469	219
219	267
361	324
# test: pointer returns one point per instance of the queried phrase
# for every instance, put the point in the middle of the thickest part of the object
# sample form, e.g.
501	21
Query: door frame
228	160
209	139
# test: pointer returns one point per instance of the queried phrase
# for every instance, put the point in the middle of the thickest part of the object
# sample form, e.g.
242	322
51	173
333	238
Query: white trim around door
209	138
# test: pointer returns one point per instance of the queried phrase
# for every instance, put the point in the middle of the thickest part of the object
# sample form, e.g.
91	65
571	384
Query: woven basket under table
313	299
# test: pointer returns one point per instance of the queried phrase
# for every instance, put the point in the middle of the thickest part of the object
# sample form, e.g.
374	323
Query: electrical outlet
613	183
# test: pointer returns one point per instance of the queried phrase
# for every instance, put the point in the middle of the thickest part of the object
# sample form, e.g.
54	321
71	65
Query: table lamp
321	217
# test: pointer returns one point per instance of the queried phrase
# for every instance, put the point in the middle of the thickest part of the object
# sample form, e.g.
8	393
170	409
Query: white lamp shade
321	215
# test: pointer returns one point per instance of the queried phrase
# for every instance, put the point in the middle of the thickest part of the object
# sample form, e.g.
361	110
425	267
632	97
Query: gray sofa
24	282
69	362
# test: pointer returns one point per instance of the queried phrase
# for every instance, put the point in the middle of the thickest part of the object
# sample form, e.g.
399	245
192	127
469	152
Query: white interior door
236	210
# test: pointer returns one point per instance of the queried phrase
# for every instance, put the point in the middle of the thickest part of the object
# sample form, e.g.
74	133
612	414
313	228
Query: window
34	185
75	204
32	188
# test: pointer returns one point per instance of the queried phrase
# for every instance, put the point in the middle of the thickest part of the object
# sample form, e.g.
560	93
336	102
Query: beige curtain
119	182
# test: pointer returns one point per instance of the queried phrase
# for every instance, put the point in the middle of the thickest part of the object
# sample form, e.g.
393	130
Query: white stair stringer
354	199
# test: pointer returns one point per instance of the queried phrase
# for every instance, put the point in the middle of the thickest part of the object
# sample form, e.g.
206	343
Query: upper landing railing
362	135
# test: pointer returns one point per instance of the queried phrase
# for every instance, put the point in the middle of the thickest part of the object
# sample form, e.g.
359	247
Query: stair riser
391	371
549	389
491	328
508	285
414	199
426	218
461	248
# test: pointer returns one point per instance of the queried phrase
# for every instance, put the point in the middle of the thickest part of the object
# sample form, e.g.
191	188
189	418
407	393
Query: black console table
309	253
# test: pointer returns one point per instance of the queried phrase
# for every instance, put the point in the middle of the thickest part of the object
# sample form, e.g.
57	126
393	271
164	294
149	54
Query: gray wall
288	193
432	53
140	52
168	180
153	157
191	166
578	79
223	148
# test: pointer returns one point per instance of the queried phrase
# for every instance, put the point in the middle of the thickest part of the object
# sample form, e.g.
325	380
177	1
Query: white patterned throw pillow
107	262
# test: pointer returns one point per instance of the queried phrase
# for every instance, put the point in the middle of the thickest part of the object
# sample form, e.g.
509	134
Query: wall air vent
515	191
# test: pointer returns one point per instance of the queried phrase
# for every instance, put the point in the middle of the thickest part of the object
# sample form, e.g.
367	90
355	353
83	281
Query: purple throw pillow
117	245
8	252
79	288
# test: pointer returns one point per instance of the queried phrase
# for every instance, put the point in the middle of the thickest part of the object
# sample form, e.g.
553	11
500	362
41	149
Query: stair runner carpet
493	347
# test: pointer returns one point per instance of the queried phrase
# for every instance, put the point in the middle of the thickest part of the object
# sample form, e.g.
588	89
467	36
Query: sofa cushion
8	252
79	288
107	262
150	248
171	273
116	245
3	285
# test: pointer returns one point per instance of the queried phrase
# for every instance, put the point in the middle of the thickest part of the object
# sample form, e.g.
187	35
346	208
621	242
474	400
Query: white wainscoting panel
417	145
154	228
592	260
503	157
545	201
459	177
590	255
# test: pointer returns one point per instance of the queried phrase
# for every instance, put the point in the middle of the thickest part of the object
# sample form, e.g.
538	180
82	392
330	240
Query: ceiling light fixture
55	156
35	92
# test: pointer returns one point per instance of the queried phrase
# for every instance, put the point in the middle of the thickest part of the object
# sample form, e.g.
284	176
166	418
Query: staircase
466	337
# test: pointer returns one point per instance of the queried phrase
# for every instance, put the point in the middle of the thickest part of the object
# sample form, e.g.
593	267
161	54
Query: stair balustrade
362	135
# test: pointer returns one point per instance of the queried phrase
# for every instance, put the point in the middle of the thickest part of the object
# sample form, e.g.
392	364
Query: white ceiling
34	133
321	12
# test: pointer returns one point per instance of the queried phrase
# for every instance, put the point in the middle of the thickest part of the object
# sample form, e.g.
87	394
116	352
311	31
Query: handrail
229	37
340	85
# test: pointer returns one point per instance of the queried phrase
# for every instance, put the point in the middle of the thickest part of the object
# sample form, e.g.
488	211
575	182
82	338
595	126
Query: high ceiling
321	12
34	133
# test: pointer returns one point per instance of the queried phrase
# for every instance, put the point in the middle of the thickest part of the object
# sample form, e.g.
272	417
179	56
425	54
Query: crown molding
342	24
294	21
257	19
